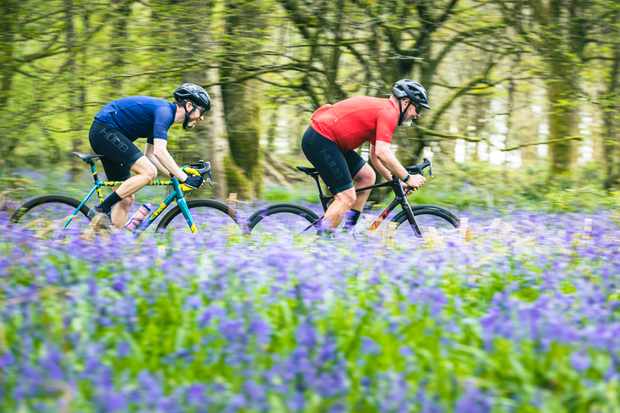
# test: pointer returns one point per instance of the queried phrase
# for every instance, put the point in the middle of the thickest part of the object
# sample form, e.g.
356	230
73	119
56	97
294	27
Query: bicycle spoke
207	220
283	223
431	226
52	217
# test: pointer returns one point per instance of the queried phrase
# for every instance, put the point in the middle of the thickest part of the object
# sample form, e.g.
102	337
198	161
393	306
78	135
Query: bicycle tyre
259	215
167	219
432	210
33	203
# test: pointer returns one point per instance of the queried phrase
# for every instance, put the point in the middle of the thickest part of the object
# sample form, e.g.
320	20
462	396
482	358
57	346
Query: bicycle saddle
308	170
87	157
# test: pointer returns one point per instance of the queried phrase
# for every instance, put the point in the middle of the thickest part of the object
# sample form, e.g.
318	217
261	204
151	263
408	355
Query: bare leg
120	211
343	201
145	172
365	177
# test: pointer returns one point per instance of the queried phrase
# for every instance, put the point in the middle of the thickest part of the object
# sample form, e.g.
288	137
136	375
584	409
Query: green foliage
487	186
62	60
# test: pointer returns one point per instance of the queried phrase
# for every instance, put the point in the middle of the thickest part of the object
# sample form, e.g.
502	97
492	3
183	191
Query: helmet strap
401	118
186	119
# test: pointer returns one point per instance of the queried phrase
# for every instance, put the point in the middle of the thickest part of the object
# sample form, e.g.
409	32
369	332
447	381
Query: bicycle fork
401	199
182	202
177	194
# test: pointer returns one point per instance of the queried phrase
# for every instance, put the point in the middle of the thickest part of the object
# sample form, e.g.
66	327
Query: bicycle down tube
400	199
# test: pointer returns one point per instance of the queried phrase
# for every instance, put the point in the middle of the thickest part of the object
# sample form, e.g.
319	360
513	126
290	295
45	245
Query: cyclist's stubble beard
187	123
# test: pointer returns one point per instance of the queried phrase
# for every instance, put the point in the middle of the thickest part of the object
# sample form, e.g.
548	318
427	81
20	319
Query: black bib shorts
119	152
337	168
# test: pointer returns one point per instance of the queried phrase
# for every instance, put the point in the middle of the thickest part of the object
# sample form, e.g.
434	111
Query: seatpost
324	199
93	171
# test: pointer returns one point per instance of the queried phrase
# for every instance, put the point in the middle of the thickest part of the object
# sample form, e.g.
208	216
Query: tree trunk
8	10
611	119
218	143
118	43
240	99
73	85
242	124
562	123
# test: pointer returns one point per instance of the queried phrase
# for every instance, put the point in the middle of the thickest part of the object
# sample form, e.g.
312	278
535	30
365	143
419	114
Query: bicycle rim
210	217
433	221
51	213
282	220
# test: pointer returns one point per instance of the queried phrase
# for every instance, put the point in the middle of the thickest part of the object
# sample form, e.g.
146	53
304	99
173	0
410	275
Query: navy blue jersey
139	117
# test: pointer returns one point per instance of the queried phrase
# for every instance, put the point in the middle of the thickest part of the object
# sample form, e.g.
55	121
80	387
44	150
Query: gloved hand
192	182
190	171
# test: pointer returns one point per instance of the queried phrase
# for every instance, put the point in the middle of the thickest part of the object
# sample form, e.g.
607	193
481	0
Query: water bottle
144	224
139	216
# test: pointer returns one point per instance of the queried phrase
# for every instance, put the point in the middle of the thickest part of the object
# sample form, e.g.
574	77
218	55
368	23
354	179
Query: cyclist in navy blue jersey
121	122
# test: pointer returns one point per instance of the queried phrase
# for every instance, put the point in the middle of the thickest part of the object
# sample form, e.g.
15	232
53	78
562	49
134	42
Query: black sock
351	218
109	202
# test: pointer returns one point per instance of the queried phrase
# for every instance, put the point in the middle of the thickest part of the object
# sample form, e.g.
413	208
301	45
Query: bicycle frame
400	199
176	195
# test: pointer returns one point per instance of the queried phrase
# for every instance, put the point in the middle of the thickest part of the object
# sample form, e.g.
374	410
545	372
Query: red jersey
351	122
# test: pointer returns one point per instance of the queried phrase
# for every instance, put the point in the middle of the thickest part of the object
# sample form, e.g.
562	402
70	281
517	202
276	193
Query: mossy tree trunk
8	10
76	111
562	124
558	32
611	120
193	44
241	97
119	43
561	85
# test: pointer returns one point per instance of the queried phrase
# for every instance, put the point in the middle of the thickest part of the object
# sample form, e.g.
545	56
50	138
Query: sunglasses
200	109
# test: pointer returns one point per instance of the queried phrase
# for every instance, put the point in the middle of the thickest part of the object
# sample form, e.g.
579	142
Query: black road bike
421	219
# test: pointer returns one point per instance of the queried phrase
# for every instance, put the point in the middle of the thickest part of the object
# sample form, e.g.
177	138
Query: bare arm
149	153
386	156
160	151
376	162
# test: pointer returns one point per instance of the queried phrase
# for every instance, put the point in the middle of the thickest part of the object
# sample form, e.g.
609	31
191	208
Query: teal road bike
187	215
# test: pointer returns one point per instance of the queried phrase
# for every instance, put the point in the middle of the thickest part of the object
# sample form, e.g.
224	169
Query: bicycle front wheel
283	219
431	219
208	216
51	212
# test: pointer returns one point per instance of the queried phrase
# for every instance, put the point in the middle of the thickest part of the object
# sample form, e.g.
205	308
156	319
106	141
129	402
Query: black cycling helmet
193	93
407	88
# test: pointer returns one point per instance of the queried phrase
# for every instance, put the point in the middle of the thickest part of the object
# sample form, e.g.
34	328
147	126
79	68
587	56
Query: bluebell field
518	312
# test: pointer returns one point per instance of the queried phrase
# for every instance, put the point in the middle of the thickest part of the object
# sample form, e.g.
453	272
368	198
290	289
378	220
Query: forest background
524	93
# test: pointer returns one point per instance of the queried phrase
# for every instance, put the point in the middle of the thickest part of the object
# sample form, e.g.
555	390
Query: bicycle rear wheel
281	219
51	212
431	219
208	215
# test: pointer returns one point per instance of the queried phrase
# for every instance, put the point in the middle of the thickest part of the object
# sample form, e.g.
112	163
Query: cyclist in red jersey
335	132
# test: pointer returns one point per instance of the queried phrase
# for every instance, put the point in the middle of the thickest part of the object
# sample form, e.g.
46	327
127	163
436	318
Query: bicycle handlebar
203	168
418	169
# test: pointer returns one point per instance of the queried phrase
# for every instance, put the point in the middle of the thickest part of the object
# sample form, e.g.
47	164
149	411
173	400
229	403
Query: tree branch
449	136
523	145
